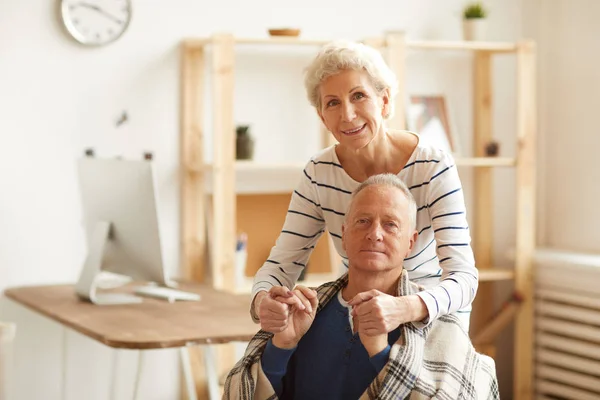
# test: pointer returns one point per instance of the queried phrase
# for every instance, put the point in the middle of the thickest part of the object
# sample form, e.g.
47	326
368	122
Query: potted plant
244	143
474	21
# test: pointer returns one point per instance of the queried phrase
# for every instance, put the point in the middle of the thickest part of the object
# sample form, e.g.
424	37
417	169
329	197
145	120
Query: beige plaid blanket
437	362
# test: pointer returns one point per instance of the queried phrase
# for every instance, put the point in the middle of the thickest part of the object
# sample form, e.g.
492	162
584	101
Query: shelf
259	178
242	166
485	161
495	47
496	274
254	196
279	40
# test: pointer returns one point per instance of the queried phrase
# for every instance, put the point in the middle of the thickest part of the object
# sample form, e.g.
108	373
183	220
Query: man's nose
348	112
375	234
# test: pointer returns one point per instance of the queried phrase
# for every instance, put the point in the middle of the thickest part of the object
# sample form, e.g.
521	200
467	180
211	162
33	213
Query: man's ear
413	240
344	236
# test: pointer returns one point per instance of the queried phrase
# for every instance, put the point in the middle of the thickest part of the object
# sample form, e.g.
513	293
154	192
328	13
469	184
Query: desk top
219	317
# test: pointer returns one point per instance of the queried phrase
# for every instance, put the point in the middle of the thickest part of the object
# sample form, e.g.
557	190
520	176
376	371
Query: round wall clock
95	22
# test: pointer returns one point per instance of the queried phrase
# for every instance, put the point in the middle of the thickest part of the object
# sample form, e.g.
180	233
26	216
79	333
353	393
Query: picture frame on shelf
429	116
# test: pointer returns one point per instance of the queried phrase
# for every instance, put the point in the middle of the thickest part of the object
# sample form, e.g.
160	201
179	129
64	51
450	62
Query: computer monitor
121	225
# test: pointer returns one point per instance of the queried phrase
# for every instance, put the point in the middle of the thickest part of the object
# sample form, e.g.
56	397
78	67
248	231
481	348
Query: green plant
474	10
242	130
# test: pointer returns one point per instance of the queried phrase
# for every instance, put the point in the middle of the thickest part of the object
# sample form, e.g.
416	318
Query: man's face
377	235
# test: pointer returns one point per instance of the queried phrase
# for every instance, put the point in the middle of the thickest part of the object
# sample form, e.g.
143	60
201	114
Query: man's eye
362	221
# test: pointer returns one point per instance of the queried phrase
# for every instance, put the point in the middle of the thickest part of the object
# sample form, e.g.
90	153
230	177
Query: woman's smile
355	131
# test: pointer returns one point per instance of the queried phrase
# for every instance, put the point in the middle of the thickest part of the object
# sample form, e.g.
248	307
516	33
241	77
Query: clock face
96	22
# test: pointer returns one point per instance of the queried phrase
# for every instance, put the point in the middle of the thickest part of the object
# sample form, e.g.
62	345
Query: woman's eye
358	95
332	103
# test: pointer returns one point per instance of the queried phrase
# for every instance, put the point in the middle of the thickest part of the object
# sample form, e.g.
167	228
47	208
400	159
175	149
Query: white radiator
567	326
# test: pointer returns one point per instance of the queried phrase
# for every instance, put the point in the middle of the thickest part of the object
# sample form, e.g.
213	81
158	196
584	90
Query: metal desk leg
138	374
186	366
63	389
113	374
210	364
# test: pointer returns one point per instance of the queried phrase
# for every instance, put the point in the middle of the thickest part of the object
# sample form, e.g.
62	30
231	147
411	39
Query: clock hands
101	11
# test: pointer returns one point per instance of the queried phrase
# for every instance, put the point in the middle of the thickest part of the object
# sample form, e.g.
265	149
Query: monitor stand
86	286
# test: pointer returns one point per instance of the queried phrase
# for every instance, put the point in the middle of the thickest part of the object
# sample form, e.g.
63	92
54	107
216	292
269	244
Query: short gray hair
344	55
391	180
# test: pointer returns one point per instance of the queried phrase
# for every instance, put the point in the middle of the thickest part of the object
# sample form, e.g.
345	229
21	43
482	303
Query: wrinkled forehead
380	199
343	80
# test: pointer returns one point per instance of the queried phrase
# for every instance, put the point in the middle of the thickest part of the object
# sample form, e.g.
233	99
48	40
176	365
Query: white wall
570	73
57	98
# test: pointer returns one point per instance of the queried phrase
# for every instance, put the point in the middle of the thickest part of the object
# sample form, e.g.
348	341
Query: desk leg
212	377
186	366
138	375
113	374
63	389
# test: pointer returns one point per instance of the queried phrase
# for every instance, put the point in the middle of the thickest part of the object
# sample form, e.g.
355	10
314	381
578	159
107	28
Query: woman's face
351	108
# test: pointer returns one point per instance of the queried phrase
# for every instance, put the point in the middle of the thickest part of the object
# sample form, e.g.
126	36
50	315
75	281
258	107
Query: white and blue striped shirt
441	260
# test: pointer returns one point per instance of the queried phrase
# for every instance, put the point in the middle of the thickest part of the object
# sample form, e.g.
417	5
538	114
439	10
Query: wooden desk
218	317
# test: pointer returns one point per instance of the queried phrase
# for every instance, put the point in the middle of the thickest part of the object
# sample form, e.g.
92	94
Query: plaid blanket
437	362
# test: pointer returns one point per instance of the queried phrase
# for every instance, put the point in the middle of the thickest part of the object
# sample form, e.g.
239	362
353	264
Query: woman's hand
273	308
381	313
299	320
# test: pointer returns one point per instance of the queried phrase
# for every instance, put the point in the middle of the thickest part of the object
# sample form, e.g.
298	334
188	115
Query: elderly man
328	346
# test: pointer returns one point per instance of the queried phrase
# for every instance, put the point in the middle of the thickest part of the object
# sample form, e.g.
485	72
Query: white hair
344	55
391	180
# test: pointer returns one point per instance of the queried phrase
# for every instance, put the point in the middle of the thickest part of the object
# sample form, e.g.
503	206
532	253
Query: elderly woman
352	88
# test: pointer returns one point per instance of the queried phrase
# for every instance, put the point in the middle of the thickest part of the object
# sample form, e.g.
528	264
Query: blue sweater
330	361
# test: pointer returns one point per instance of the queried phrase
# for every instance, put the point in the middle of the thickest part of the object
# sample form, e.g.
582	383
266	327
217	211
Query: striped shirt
441	259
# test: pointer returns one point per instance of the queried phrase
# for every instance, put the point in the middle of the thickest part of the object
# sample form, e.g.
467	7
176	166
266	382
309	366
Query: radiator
567	326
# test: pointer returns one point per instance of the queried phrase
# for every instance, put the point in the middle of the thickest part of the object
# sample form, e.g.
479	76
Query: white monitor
121	225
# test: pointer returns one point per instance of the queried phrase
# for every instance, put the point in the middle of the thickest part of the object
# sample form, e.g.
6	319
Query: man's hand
381	313
373	344
299	319
272	308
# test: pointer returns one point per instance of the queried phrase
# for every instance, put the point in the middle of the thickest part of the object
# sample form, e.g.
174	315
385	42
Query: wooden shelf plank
253	166
495	47
287	40
261	178
495	274
486	161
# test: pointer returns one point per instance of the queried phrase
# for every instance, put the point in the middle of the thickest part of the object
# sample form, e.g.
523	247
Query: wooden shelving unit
221	194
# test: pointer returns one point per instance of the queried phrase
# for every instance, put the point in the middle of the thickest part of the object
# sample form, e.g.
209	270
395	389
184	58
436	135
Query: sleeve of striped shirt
459	280
304	224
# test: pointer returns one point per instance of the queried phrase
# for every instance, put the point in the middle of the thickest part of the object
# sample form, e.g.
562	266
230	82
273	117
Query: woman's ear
385	102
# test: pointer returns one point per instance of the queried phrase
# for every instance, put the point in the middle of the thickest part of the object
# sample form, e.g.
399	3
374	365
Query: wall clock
95	22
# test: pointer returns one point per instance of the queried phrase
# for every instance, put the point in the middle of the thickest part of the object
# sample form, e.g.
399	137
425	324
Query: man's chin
371	266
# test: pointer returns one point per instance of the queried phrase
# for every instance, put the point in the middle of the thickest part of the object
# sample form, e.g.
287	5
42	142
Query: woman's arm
446	206
304	224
